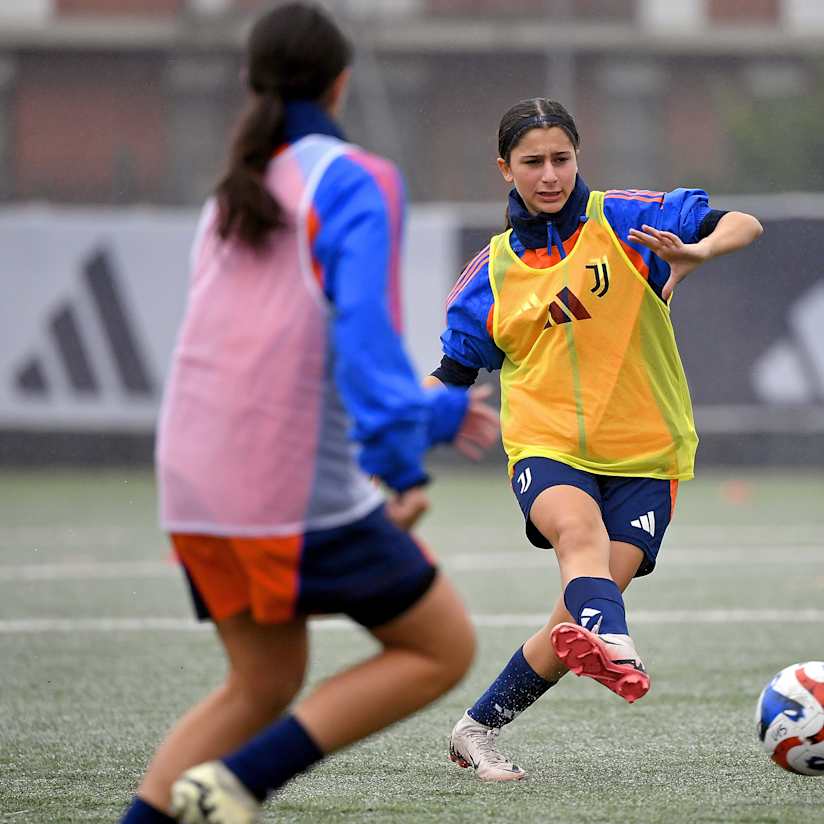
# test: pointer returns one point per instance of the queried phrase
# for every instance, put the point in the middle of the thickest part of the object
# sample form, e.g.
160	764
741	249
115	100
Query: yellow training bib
592	375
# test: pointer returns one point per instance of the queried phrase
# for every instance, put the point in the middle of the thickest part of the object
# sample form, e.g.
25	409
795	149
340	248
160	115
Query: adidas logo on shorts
645	522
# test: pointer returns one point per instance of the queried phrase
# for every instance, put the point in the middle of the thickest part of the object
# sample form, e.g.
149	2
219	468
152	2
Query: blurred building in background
115	114
129	101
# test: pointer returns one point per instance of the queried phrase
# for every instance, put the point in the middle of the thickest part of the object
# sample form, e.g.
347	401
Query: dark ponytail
295	52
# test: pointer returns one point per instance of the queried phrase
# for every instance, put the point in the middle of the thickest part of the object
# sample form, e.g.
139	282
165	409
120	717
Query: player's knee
444	660
270	689
574	533
454	656
438	635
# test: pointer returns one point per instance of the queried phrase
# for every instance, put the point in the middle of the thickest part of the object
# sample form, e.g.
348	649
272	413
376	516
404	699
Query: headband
508	140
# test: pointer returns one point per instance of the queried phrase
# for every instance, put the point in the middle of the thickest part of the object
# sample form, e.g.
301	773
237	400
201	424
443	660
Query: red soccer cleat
610	659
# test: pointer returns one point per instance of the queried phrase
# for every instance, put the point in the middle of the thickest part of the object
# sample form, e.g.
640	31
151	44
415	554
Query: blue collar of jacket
535	231
303	117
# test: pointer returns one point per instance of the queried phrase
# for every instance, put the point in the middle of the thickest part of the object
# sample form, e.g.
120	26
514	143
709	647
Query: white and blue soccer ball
790	718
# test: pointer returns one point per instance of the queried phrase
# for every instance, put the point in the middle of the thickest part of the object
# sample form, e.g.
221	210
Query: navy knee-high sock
596	604
141	812
277	754
516	688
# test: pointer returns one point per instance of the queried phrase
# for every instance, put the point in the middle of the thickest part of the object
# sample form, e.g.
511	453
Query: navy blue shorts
635	510
369	570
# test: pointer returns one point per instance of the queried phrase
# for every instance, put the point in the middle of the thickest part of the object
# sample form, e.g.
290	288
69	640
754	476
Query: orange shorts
232	575
369	570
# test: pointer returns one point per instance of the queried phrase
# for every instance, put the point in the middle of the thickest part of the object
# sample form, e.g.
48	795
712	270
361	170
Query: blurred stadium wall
114	115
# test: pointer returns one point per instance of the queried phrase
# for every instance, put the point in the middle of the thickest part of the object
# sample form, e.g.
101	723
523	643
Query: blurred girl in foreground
289	351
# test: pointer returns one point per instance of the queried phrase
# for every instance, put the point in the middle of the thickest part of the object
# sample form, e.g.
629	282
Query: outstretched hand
479	431
481	425
682	257
404	509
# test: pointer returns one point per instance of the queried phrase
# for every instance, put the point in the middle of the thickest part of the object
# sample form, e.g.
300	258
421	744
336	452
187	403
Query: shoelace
485	742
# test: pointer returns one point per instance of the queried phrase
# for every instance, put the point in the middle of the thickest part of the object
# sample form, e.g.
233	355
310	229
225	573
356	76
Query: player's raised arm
734	231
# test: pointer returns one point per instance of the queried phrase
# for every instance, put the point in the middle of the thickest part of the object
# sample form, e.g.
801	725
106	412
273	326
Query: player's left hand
406	508
481	426
682	257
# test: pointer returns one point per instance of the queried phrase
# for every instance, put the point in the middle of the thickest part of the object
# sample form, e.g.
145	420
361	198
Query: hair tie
262	90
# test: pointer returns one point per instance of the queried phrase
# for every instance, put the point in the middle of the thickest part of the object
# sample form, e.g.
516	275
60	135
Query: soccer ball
790	718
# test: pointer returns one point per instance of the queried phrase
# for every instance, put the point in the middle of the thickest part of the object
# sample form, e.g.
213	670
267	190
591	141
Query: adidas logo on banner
645	522
792	369
77	329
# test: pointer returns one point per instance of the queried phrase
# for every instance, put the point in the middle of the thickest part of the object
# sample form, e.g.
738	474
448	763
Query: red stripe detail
468	273
468	268
673	496
636	199
386	176
312	229
816	688
636	258
782	751
473	261
637	192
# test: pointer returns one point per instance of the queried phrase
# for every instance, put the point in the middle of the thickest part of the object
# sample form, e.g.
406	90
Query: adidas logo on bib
645	522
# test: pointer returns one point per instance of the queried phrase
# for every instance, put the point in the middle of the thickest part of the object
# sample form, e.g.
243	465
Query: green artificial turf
83	703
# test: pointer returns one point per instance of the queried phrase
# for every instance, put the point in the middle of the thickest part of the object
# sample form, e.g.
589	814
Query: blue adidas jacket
467	340
358	215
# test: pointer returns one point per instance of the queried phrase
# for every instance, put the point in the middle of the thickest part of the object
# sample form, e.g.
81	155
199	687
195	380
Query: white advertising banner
92	300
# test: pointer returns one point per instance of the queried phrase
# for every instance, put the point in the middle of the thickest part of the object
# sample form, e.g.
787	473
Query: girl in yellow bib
571	304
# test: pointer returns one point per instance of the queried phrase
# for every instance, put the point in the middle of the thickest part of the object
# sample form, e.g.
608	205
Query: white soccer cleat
473	745
610	659
212	794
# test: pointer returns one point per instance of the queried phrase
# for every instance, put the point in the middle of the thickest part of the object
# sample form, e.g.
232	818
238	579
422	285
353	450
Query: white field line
68	536
41	626
88	571
681	556
462	562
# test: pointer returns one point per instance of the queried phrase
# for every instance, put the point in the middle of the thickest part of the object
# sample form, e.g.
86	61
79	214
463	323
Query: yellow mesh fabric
592	375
